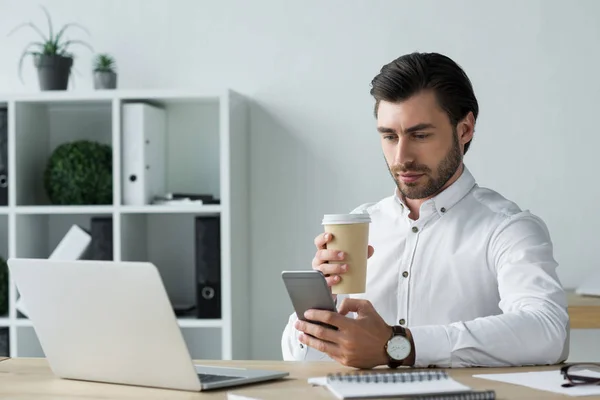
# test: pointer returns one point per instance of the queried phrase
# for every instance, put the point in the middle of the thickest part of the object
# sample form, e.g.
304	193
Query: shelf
199	323
206	153
168	242
182	322
149	209
23	322
41	127
38	234
87	96
170	209
183	144
64	209
28	344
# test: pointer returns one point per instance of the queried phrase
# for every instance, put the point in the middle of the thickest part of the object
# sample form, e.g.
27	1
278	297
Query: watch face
398	347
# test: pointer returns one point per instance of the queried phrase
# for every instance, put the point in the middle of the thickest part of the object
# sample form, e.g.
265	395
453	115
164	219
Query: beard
434	182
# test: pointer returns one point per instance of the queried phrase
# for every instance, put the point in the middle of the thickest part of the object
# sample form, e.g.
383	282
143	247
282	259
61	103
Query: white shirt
474	279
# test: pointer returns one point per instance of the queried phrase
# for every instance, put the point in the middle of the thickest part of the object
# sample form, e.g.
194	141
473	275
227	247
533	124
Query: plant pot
53	71
105	80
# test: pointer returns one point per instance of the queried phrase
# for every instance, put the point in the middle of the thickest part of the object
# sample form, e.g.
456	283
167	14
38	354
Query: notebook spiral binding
413	376
391	377
484	395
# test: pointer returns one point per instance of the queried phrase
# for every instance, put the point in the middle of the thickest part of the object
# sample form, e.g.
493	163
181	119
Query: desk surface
584	311
31	378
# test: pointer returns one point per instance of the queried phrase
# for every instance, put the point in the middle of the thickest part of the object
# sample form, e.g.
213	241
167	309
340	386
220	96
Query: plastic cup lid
331	219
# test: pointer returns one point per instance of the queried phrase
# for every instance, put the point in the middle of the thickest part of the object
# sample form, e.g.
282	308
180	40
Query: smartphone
309	290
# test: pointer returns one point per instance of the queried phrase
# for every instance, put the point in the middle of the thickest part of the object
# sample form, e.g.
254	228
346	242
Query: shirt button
301	346
415	229
402	321
405	274
443	209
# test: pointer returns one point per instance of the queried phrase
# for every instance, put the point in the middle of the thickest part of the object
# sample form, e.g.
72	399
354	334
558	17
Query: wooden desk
32	379
584	311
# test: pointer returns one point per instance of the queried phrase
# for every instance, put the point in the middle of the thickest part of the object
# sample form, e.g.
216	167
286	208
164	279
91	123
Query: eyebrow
412	129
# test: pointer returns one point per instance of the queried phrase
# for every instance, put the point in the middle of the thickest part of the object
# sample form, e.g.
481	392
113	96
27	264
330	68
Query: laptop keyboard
210	378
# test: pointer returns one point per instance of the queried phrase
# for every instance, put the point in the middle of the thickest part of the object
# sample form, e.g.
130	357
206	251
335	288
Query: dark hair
412	73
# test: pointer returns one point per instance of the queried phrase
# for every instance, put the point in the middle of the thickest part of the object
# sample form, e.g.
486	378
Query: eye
421	135
389	137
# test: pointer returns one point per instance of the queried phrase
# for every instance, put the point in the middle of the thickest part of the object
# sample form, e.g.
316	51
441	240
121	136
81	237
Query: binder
3	156
4	342
208	266
143	153
101	231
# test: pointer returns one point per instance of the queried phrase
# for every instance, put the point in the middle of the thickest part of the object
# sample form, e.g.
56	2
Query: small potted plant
105	74
51	56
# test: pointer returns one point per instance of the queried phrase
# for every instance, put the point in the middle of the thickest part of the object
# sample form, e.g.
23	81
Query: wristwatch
398	347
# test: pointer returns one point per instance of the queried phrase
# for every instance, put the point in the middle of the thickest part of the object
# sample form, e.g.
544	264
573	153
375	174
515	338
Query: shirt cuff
432	346
292	348
300	349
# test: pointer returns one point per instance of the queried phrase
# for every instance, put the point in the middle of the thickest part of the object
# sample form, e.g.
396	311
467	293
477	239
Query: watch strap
399	330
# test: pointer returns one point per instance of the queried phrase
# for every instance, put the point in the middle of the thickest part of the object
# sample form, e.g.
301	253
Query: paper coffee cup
350	235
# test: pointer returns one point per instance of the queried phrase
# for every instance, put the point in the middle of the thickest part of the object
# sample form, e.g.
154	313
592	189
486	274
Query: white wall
308	65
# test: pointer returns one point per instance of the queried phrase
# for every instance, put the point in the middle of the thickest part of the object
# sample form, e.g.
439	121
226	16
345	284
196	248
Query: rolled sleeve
432	346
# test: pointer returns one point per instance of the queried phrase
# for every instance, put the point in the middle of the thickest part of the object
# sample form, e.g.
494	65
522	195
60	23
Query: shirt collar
447	198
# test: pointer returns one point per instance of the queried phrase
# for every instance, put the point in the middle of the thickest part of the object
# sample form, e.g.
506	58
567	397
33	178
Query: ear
466	129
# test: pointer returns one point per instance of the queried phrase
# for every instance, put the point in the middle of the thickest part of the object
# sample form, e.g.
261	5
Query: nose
404	152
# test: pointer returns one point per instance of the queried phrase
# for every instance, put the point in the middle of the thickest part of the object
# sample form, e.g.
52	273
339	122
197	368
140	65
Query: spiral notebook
428	384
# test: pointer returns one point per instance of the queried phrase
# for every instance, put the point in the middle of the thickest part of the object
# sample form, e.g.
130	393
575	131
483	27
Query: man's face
421	147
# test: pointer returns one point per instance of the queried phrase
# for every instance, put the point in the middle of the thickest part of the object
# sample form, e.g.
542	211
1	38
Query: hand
357	343
323	256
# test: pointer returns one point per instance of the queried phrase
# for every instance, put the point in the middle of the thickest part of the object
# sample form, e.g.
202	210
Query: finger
322	240
370	251
326	317
318	331
332	269
330	255
354	305
333	280
328	348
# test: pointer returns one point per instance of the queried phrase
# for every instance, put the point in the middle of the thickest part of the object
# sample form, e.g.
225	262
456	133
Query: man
457	275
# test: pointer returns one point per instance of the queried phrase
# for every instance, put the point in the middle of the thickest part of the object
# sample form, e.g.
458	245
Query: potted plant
105	75
79	173
51	56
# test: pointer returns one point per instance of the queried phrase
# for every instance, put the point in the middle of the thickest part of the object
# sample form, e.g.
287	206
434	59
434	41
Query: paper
549	381
231	396
319	381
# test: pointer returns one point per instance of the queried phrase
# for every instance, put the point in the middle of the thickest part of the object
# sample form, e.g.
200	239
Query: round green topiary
3	287
79	172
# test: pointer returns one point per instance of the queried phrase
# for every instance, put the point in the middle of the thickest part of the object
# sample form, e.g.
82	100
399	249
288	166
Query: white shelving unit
206	152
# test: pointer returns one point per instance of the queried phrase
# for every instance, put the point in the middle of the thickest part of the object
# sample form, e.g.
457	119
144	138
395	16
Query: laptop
112	322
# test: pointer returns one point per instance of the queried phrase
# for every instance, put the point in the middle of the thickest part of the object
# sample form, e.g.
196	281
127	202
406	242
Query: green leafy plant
104	63
79	172
51	44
